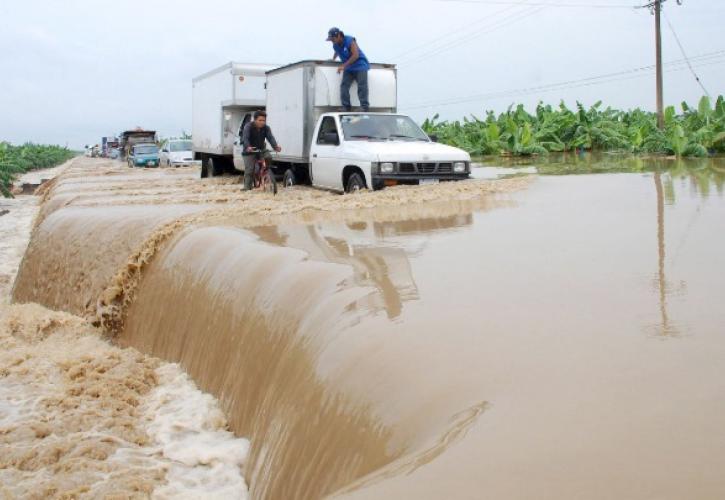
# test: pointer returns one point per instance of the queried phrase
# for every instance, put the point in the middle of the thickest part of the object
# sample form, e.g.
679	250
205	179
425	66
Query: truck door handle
314	155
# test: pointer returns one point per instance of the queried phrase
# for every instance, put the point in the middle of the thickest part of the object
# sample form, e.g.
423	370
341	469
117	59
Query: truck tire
204	173
355	183
213	169
289	178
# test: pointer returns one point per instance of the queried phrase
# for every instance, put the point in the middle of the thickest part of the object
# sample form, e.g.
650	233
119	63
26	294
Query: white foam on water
15	226
190	429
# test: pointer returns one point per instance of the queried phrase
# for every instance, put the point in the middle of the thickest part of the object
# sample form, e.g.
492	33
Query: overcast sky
75	70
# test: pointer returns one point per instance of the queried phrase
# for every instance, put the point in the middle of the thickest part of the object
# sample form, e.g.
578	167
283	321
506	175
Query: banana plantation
695	131
16	160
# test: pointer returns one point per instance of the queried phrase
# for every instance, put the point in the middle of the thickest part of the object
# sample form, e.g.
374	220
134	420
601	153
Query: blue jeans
361	77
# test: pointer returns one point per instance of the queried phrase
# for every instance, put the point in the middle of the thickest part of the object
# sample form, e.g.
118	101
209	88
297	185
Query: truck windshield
362	127
179	146
146	150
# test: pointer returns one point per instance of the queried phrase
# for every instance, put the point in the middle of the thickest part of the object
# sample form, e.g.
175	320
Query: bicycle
263	175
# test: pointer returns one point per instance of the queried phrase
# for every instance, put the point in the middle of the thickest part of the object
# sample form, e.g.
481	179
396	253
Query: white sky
72	71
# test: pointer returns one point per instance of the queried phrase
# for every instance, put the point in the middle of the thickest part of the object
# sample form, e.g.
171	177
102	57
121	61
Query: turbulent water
519	338
80	418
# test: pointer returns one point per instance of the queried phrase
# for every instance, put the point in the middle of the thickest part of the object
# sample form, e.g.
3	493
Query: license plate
150	163
423	182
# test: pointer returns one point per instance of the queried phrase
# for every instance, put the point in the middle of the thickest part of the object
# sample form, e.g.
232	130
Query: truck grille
425	168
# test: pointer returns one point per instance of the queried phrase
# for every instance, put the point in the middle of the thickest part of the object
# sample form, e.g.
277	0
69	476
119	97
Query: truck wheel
204	173
211	167
289	179
355	183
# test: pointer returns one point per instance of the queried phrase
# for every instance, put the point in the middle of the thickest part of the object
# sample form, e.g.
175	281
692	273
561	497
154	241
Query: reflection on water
375	250
665	328
703	174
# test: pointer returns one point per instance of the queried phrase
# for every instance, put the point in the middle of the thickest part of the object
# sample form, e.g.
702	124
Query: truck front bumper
381	180
185	163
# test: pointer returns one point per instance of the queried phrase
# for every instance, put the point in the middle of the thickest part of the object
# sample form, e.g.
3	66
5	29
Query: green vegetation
695	132
15	160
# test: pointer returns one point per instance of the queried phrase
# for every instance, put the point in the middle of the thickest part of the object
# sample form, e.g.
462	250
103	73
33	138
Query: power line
455	31
507	21
461	36
682	49
527	3
704	58
708	59
553	88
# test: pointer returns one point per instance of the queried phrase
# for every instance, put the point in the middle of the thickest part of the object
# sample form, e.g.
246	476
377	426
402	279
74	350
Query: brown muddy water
535	337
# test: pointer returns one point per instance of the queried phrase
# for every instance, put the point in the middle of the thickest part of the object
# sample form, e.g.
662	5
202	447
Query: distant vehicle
114	153
131	137
223	101
177	153
143	155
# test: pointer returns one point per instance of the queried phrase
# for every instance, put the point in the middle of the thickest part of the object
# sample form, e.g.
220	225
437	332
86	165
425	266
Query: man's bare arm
355	54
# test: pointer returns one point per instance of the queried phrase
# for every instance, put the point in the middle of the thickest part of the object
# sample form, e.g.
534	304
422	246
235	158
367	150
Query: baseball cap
332	33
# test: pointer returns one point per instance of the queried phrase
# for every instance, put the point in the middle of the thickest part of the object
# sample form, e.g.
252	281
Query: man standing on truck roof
354	67
254	137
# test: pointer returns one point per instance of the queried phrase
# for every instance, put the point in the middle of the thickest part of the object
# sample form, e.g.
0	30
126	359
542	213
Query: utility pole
658	50
655	7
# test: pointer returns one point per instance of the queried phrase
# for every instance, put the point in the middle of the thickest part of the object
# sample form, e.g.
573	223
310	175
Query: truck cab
143	155
352	151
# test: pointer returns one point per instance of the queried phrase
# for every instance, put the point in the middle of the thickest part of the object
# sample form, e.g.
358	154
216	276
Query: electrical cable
526	92
682	49
518	16
575	5
455	31
461	37
703	60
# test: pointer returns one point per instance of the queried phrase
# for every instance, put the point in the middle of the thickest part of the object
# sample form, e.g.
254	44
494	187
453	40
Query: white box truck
223	100
347	151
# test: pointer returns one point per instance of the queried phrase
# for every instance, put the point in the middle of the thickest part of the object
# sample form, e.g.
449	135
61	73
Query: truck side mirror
331	138
433	137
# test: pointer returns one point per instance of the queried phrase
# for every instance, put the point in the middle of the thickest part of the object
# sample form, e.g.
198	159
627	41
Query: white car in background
176	153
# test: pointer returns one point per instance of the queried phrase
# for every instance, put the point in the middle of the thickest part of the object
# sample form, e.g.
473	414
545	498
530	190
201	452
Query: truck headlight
459	167
387	168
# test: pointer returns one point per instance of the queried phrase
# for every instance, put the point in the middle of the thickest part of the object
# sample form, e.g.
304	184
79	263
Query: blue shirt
344	52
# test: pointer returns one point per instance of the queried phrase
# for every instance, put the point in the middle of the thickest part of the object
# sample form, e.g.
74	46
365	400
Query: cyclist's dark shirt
255	137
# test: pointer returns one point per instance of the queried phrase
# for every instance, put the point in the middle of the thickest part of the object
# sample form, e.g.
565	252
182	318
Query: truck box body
299	93
130	138
219	100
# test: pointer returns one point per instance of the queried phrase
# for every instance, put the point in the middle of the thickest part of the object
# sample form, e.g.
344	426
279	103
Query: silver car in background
177	153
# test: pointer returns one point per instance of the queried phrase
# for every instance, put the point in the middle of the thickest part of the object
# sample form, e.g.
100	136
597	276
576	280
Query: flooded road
547	337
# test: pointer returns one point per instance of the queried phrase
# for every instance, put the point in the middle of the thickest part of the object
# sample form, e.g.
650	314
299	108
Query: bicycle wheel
269	183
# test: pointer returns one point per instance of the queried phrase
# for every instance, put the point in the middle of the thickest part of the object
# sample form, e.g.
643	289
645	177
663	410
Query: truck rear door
325	155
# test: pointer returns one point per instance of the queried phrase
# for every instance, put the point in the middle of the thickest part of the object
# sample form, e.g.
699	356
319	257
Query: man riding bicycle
254	137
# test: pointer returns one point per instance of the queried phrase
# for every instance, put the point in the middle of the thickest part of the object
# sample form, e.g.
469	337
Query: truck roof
126	133
251	69
320	62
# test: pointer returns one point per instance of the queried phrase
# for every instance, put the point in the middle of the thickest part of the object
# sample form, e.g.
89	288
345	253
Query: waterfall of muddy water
80	418
468	340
